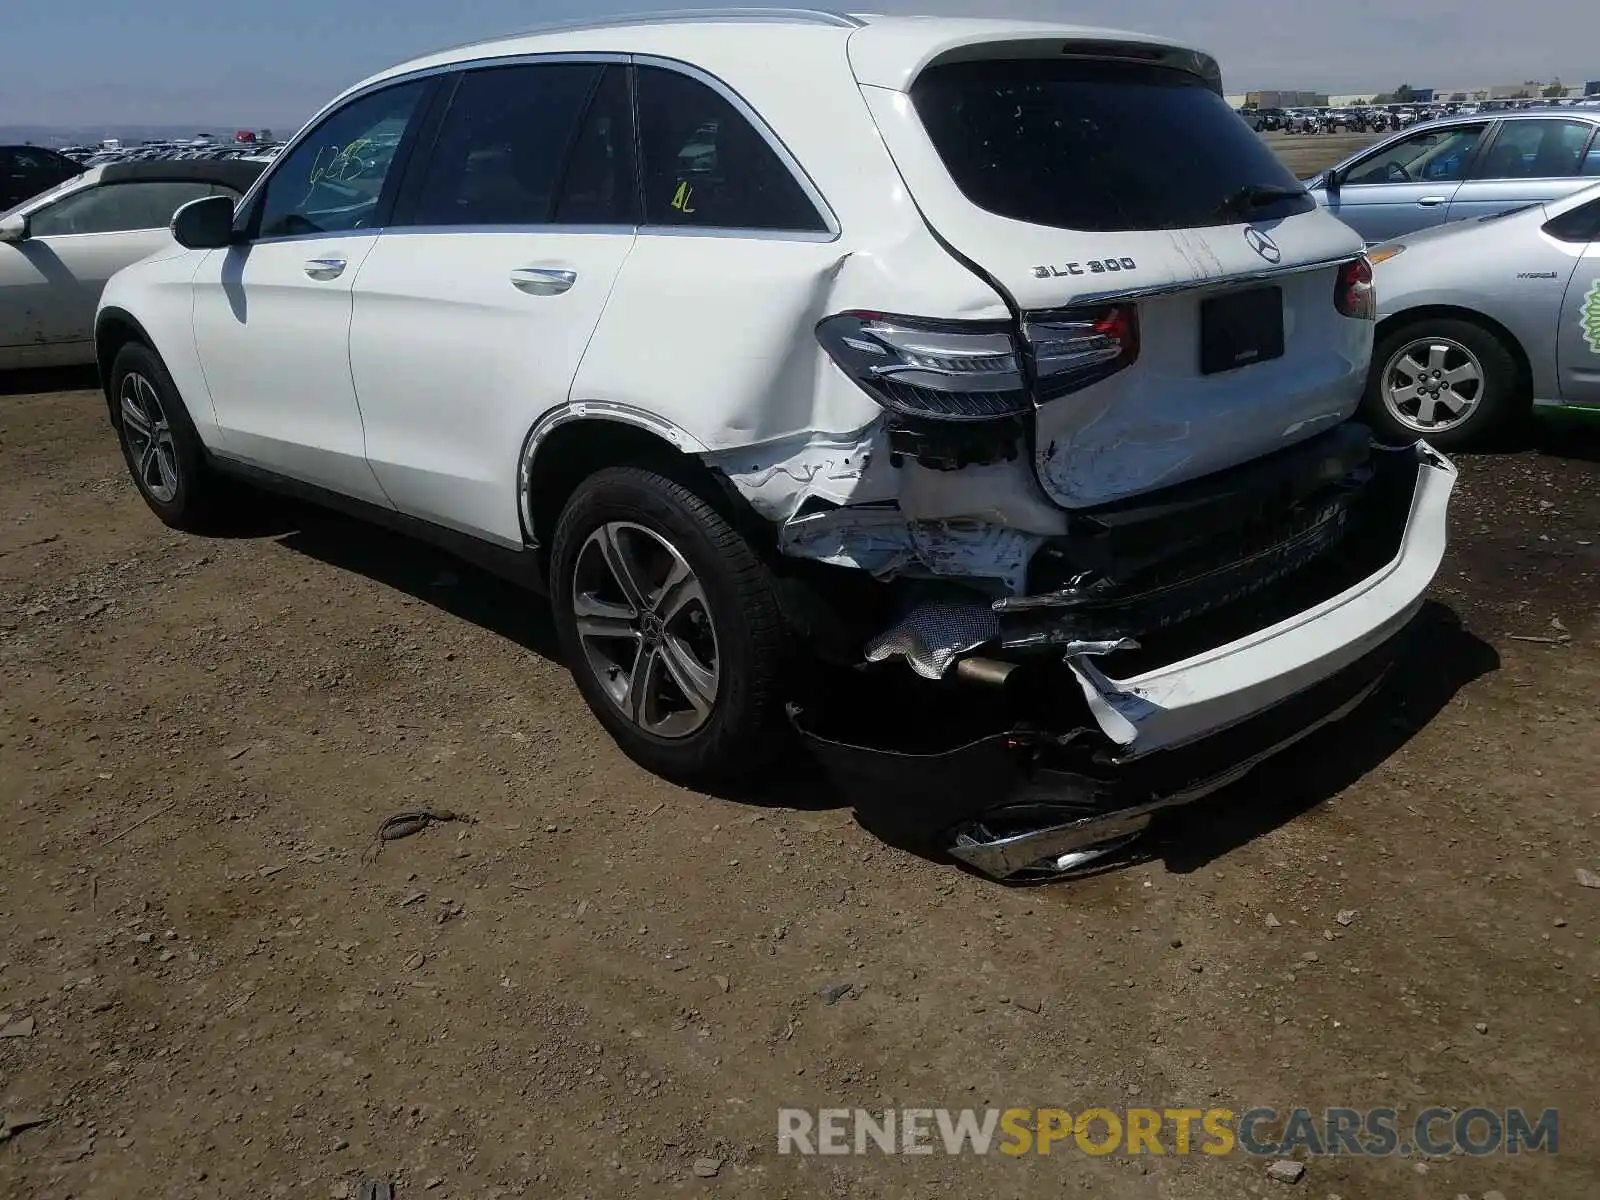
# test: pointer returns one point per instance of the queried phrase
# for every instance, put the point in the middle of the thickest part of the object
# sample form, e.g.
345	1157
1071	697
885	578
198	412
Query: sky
273	63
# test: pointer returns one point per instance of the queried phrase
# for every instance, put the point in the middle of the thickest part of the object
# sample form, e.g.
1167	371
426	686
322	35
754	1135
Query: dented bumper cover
1198	696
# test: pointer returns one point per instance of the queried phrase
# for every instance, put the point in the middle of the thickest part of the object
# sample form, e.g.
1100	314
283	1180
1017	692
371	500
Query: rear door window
1536	150
1096	145
500	153
705	165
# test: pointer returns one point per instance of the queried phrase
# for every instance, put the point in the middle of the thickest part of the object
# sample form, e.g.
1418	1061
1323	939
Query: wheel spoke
167	464
609	626
1402	395
1454	401
675	600
640	682
133	419
696	682
1467	372
1436	356
1425	409
622	568
1411	367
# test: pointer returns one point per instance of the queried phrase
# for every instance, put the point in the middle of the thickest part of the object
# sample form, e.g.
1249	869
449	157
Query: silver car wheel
149	436
646	629
1432	384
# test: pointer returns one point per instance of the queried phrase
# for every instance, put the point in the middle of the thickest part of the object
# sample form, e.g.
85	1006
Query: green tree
1405	94
1555	91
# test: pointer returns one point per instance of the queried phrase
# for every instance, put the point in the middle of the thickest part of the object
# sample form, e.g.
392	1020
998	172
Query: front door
272	314
1407	184
474	309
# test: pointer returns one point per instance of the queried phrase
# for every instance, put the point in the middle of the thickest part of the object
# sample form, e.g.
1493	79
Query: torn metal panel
778	478
882	541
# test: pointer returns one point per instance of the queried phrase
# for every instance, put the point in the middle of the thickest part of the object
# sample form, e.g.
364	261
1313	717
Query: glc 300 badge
1093	266
1591	318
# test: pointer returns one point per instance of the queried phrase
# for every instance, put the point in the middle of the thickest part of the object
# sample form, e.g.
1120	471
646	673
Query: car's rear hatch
1106	179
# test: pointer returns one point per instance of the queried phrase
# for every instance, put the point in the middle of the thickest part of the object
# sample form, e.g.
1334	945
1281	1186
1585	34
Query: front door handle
1432	201
543	281
325	268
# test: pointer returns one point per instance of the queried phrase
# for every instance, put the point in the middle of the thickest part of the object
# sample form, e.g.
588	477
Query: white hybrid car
969	396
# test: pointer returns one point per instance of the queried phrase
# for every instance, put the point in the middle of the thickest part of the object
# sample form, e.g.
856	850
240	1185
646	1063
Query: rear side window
500	152
706	167
118	207
1096	145
1536	150
1580	225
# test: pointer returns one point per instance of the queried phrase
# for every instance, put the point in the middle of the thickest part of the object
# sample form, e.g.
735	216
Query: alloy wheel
646	629
1432	384
148	434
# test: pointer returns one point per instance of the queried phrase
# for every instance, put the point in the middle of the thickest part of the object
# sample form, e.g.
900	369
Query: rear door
1527	161
1108	194
474	308
1407	184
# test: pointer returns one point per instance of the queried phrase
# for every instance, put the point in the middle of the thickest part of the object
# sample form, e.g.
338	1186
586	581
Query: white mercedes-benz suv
966	399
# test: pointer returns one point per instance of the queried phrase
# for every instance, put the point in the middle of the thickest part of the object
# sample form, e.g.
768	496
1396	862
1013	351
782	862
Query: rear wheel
671	627
1443	379
163	452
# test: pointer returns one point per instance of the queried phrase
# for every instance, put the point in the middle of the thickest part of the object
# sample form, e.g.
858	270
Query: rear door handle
543	281
1432	201
325	268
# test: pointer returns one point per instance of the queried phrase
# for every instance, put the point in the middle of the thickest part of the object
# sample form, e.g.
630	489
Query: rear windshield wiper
1253	196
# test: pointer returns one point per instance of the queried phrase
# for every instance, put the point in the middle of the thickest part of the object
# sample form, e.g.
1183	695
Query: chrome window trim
718	231
767	134
561	228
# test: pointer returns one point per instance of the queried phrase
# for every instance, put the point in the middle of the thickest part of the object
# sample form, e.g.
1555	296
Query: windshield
1097	145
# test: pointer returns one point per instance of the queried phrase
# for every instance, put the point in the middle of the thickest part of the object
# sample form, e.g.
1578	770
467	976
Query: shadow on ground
38	380
1438	659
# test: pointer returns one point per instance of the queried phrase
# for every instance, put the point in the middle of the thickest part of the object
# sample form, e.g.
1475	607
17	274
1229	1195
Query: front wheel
671	626
1449	381
164	453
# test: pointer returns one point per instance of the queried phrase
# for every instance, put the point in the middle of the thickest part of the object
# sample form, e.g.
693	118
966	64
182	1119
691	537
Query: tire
164	454
733	631
1496	400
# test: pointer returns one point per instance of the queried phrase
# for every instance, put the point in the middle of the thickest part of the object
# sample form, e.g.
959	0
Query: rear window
1096	145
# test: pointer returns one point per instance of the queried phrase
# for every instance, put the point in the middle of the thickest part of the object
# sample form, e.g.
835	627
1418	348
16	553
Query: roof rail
795	16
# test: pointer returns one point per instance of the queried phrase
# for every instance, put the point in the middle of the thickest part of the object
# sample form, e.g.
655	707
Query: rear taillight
1075	347
1352	292
939	370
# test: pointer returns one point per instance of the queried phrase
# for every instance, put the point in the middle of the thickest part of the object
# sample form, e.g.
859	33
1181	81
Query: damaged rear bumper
1030	794
1174	705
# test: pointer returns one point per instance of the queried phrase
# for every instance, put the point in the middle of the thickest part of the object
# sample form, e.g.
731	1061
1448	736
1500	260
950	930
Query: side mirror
1330	180
204	224
14	229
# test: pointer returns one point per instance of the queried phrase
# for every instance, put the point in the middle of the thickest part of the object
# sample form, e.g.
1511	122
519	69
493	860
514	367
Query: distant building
1286	99
1592	88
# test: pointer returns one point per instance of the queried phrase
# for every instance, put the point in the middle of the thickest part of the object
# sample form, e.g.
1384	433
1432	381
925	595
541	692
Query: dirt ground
210	986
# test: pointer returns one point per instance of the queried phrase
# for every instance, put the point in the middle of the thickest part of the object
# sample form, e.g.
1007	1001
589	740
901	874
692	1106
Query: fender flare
589	410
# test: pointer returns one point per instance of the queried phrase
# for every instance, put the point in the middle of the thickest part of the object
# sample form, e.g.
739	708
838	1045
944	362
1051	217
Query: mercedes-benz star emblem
1263	245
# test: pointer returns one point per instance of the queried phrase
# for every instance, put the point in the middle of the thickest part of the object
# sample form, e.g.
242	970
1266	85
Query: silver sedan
1483	319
